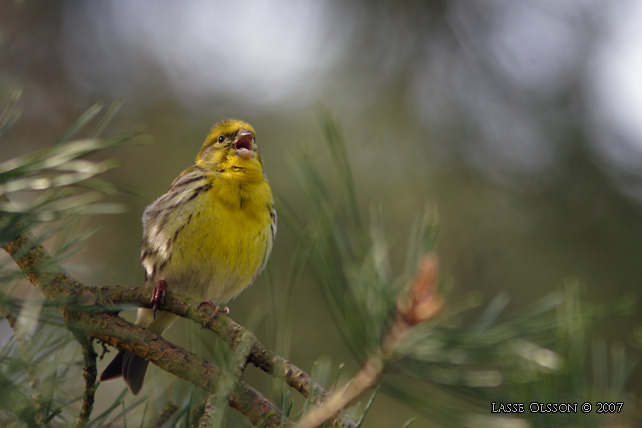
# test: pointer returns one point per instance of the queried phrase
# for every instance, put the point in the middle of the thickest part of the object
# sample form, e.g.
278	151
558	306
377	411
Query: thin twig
364	379
214	412
89	374
209	412
8	314
160	420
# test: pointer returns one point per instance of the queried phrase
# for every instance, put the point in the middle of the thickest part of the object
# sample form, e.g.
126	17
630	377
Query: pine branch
223	326
227	329
81	306
123	335
420	304
57	286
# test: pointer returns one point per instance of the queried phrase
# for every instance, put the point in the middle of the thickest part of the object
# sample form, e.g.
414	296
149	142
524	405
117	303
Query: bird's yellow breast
225	240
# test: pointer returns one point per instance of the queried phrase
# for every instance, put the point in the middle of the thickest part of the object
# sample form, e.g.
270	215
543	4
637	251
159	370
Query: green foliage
349	259
48	190
62	179
453	366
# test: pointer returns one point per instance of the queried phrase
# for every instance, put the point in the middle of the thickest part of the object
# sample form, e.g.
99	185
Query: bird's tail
128	365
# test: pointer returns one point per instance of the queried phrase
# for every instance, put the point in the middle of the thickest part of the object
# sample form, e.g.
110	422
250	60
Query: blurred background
519	121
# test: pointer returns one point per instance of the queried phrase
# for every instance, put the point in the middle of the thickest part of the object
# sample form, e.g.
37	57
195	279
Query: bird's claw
158	295
216	309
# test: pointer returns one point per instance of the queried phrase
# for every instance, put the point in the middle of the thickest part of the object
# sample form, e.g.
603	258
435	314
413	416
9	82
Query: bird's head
230	149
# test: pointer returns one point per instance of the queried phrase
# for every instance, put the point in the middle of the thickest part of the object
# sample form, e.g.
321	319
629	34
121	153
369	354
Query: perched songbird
208	237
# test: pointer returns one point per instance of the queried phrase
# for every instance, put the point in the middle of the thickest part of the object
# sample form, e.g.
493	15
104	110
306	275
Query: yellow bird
208	237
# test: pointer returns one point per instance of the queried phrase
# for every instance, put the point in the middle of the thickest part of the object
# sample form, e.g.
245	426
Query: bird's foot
216	309
158	295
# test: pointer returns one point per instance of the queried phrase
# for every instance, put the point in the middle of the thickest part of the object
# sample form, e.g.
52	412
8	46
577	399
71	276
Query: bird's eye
221	139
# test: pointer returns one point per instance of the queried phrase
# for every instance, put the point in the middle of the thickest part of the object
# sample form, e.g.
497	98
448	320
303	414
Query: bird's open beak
243	145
